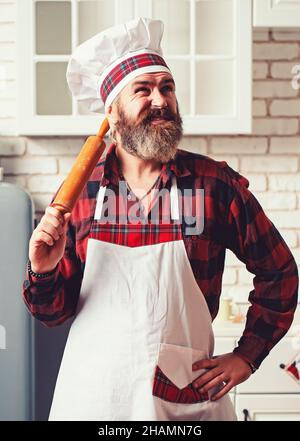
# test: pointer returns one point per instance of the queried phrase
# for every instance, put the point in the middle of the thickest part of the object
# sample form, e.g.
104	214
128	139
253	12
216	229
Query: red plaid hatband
129	68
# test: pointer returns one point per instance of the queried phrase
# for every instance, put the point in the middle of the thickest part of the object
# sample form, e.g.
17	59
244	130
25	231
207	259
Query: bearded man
143	293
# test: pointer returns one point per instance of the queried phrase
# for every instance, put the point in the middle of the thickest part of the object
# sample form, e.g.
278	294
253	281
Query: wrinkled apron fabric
141	322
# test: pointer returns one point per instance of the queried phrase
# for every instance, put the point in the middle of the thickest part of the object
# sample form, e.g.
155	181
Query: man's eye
141	89
145	89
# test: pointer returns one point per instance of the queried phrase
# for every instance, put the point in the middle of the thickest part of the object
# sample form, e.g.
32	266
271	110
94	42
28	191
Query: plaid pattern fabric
135	236
168	391
233	219
125	67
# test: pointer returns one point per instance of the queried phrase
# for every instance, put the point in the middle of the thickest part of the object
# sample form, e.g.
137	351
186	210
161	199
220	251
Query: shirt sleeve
254	239
53	299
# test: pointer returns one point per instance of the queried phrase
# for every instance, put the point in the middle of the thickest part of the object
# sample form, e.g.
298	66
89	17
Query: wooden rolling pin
81	171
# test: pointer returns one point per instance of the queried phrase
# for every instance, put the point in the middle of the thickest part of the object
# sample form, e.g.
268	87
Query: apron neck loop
174	203
174	200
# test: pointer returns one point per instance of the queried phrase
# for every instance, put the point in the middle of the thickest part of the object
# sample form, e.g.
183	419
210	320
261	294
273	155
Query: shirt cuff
252	349
252	367
37	281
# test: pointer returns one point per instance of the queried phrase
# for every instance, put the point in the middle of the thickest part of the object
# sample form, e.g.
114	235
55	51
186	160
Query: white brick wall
284	182
259	108
275	51
286	35
285	107
281	69
259	70
277	201
54	146
44	183
236	145
7	65
273	89
27	165
286	144
270	158
275	126
257	182
268	163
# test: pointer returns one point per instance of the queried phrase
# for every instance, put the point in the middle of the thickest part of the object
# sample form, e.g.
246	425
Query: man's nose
158	98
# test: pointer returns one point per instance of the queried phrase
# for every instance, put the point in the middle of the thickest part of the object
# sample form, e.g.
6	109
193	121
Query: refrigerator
30	353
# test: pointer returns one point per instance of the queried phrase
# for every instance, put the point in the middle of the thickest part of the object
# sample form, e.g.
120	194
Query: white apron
140	323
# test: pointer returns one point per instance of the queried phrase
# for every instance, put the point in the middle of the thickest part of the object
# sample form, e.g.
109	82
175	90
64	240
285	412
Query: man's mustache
160	113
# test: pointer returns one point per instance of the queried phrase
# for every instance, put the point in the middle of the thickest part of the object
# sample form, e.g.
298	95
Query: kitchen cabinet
276	13
270	378
207	45
267	407
269	394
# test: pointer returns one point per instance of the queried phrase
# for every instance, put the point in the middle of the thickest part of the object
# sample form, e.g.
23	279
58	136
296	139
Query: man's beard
150	141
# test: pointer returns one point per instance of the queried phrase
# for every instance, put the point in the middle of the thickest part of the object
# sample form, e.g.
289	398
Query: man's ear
112	115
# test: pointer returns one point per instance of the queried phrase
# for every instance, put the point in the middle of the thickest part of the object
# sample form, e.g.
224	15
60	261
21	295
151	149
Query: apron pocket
173	374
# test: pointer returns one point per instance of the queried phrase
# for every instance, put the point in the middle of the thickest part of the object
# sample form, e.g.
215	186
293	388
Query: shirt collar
176	166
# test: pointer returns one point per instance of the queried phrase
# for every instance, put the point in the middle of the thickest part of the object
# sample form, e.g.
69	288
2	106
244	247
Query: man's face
148	123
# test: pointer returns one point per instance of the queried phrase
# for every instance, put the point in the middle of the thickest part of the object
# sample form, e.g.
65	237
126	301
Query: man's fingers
42	236
50	229
67	217
205	387
223	391
206	377
54	222
207	363
56	213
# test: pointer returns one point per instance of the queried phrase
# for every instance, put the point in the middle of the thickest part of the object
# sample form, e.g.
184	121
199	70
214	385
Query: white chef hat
103	65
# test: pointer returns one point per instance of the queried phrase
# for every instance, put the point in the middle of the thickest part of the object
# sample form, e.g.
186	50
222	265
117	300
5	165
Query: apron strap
173	201
99	205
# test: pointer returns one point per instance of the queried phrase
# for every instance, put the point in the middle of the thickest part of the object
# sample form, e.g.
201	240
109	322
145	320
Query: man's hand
48	240
228	368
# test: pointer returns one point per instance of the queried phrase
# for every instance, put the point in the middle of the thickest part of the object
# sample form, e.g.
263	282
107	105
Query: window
206	43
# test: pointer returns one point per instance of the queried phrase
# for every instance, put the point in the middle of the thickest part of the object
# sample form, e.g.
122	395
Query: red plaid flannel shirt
233	219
